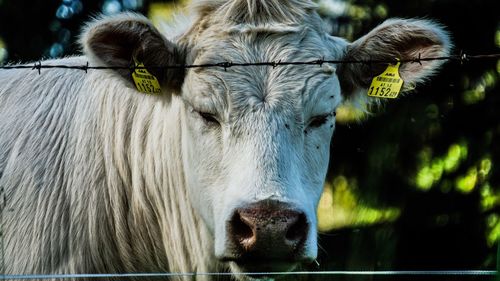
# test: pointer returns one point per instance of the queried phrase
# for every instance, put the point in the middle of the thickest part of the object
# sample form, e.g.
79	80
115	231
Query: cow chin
256	270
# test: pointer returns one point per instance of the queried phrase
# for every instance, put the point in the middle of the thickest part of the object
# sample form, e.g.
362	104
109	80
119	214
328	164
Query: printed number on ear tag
388	84
144	81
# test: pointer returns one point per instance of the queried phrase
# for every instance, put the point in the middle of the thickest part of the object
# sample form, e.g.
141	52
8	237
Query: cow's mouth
261	269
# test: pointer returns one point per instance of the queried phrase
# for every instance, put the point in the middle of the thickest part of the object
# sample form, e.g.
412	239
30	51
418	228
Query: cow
221	171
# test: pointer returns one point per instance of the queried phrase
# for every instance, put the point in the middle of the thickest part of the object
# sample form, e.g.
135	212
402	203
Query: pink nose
269	230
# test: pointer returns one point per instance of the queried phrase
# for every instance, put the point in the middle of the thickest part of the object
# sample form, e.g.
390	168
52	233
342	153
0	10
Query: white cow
221	171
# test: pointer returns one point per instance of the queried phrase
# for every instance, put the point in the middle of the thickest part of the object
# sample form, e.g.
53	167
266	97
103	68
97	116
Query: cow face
256	139
258	142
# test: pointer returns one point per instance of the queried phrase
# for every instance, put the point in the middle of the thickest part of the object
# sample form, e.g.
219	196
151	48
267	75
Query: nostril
297	232
242	230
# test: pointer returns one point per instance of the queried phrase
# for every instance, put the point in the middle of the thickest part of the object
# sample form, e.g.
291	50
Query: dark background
432	157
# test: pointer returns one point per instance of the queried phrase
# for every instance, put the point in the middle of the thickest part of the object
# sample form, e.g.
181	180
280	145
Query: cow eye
209	118
318	121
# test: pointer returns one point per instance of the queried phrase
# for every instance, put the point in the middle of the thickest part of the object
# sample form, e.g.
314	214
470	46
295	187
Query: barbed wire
462	58
293	273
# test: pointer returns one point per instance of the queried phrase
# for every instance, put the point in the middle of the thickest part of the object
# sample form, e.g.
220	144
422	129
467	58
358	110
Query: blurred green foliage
431	155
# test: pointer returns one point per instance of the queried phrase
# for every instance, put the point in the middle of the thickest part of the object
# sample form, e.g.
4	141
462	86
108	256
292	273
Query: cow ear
394	39
120	40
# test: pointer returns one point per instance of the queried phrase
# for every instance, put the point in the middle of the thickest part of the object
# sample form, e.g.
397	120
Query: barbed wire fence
462	58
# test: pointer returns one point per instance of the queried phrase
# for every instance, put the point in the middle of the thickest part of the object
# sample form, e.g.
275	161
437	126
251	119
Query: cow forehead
245	88
243	42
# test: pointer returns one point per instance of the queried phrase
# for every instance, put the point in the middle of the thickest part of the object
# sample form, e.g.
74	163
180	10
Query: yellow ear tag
388	84
144	81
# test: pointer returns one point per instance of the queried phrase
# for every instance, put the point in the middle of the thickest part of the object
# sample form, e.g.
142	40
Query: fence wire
462	58
456	273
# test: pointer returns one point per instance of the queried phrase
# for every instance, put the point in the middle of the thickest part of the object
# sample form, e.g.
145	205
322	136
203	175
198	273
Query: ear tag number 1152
144	81
388	84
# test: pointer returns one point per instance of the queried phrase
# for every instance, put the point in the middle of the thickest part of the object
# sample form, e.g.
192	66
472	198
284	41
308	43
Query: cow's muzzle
266	236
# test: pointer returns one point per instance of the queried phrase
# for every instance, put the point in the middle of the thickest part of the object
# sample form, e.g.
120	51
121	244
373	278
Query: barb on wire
462	58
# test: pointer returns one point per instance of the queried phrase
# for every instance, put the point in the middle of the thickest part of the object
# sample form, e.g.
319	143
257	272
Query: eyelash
316	122
208	118
319	121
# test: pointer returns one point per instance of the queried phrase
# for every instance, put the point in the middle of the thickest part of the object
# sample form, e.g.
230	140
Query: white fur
100	178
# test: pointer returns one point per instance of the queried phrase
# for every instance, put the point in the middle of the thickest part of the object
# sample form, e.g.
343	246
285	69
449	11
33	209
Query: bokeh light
64	12
68	9
493	229
351	113
340	207
332	8
467	182
56	50
432	167
483	85
162	13
111	7
132	4
497	37
3	51
490	197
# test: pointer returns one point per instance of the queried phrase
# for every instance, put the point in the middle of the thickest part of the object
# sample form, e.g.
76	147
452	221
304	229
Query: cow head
256	139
